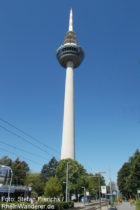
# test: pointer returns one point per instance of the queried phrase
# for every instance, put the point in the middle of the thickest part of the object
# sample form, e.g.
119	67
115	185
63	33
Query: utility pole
99	181
111	198
84	194
67	182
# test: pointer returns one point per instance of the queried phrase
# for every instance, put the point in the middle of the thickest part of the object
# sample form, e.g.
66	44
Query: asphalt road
126	206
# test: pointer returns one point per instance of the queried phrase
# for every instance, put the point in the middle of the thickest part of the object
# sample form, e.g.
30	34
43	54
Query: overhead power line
26	140
28	135
30	153
33	161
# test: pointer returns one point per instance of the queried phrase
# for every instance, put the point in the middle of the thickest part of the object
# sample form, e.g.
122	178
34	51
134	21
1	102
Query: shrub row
60	205
138	204
53	205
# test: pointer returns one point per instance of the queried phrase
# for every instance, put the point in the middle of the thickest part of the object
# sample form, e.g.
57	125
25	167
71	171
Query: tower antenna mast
71	21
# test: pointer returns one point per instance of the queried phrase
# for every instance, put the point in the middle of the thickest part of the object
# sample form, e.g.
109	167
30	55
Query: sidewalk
123	206
103	208
80	206
126	206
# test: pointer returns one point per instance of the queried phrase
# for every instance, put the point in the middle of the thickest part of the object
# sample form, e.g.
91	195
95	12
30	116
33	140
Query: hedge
60	205
53	205
138	204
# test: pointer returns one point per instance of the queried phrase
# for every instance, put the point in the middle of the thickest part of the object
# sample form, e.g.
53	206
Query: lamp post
67	182
84	194
99	182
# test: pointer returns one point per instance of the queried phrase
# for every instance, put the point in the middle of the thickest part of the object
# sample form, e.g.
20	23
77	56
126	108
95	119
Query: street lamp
99	182
67	182
84	194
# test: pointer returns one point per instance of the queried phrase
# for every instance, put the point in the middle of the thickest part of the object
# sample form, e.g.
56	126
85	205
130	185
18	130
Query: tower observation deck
70	50
70	55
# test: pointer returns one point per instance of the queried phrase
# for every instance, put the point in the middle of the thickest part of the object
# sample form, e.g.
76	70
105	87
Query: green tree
123	179
77	176
20	170
48	170
93	183
129	176
6	161
53	188
134	177
34	181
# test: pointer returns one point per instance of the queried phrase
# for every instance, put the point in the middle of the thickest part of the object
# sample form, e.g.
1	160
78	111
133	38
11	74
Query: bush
57	205
63	205
53	188
138	205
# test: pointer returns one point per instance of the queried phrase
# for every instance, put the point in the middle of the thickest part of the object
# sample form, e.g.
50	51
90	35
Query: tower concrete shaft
68	147
70	55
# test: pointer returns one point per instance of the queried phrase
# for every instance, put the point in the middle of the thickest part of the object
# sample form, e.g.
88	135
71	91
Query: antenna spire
71	21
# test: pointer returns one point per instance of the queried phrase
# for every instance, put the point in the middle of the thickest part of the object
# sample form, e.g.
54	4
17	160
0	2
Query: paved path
125	206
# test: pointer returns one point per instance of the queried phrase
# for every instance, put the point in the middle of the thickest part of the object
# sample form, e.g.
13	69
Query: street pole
99	191
111	198
99	182
67	182
84	194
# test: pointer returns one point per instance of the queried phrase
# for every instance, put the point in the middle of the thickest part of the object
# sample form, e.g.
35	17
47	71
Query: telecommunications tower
70	55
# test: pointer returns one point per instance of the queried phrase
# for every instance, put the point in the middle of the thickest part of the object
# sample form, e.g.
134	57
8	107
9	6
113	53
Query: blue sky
107	84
